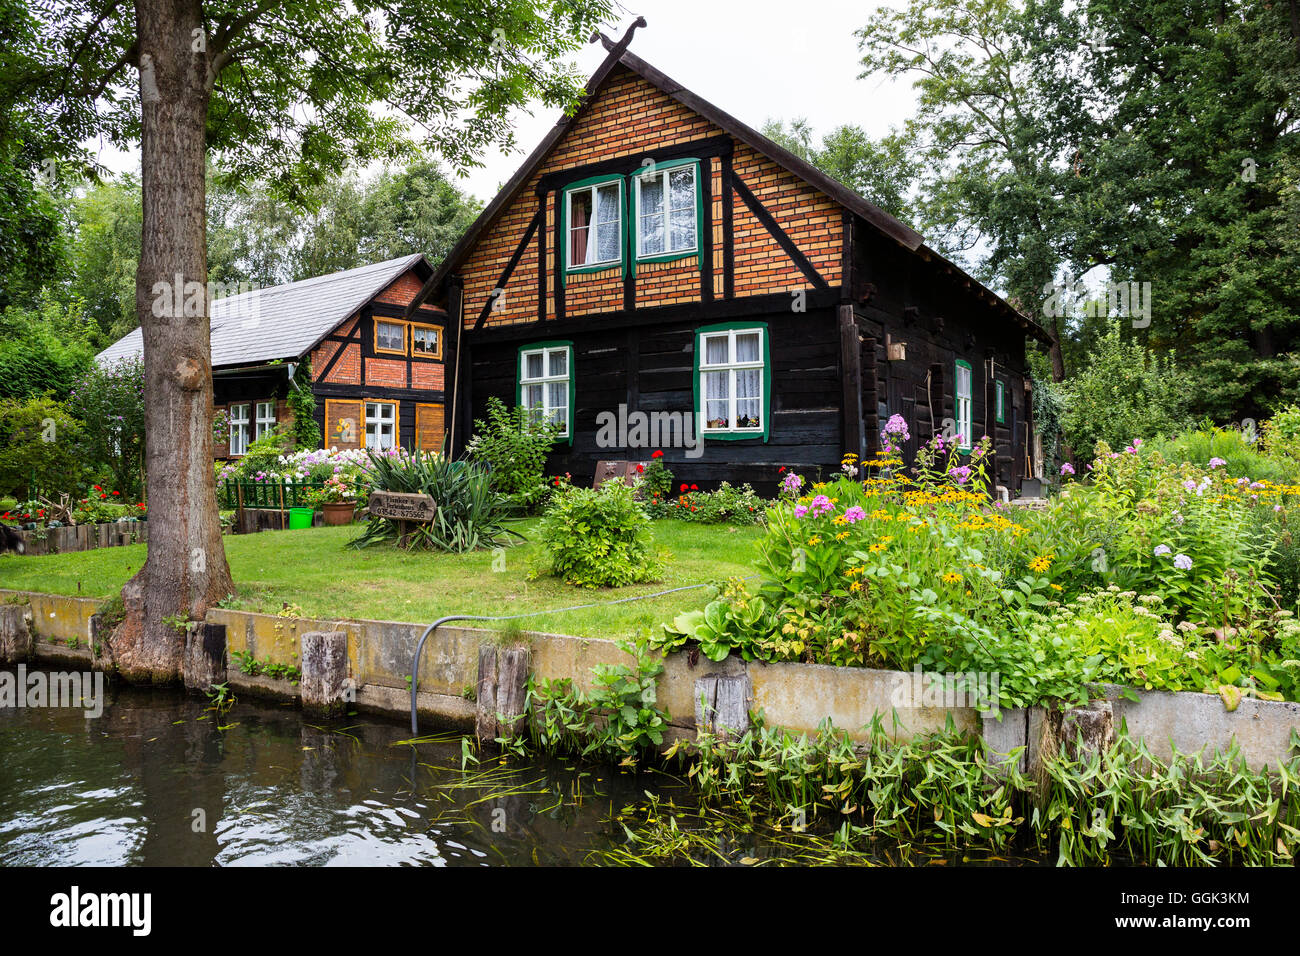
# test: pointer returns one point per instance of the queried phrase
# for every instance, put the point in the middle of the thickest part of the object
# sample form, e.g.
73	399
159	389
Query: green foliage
513	443
1240	453
264	454
880	170
599	537
657	482
934	789
248	664
471	514
1123	392
38	447
301	402
109	401
727	505
619	718
42	350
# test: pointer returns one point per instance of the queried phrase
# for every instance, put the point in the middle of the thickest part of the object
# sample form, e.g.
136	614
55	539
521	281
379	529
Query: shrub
1122	391
109	401
1238	453
599	537
470	515
726	505
513	443
306	433
38	447
658	480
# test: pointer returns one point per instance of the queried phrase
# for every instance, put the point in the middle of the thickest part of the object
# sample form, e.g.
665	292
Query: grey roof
283	322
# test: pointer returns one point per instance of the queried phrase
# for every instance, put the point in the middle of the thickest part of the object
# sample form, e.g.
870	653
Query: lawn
315	571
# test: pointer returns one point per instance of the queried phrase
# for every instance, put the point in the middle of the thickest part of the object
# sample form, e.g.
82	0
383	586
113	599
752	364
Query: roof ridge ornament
622	44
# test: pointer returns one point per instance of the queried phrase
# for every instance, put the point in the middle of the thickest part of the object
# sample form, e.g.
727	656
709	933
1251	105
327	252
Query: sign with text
400	506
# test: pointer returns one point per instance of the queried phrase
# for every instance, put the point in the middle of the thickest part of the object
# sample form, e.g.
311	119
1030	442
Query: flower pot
338	512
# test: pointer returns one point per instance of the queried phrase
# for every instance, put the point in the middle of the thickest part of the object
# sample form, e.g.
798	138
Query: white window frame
239	429
965	406
263	423
384	350
379	422
546	379
664	173
732	366
592	227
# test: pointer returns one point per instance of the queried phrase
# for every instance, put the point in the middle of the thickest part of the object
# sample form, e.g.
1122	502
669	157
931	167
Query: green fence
234	493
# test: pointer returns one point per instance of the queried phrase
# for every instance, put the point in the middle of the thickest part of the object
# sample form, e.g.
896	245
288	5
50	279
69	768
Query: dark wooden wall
650	367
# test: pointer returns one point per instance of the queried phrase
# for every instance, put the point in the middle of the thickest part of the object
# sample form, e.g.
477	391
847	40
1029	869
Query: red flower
103	497
97	488
693	508
781	469
683	488
140	505
657	454
117	492
640	469
695	487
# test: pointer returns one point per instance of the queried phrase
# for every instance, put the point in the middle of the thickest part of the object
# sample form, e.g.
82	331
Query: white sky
756	59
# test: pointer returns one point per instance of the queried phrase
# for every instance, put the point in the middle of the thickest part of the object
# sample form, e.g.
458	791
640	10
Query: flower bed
1151	574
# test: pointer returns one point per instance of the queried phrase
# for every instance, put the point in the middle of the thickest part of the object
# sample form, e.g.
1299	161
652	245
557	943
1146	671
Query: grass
313	570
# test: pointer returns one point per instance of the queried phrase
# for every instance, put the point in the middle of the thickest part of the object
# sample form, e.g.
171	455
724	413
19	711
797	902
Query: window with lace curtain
733	381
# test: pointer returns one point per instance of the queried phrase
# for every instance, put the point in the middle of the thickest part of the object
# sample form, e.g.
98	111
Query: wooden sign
613	470
400	506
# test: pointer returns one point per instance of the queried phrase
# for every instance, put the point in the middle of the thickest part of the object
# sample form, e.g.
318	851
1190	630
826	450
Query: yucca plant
470	514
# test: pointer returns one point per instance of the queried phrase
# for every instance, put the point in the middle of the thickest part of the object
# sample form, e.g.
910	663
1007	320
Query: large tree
285	91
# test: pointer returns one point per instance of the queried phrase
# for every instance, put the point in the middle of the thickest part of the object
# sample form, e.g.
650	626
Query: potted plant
335	500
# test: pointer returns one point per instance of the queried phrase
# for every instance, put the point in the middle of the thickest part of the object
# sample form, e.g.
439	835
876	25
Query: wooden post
851	368
722	704
16	639
284	521
324	672
205	656
500	702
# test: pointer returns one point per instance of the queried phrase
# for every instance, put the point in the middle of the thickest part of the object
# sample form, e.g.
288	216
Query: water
159	779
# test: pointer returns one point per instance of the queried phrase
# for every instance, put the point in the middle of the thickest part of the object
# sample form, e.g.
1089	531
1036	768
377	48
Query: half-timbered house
377	367
656	255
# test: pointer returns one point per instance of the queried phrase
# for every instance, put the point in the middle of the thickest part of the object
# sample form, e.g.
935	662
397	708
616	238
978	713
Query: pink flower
800	511
854	515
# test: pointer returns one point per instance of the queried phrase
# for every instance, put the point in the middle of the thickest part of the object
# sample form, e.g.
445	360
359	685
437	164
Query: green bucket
300	517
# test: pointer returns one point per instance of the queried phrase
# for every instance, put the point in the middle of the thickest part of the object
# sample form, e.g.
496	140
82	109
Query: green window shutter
767	381
964	409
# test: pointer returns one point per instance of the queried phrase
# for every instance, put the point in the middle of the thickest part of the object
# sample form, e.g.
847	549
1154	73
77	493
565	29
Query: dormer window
594	225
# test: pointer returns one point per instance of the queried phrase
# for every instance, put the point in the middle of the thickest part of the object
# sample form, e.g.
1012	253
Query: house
375	367
657	262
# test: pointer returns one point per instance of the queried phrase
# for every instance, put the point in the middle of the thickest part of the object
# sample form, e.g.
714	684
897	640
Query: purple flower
960	474
800	511
821	505
1162	549
1217	462
1067	469
854	515
792	483
1182	562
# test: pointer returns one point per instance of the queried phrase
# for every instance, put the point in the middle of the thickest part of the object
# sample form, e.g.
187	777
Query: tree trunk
1058	358
186	570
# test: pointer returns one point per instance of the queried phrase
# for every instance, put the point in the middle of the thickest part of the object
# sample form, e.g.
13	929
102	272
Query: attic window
594	223
390	337
668	211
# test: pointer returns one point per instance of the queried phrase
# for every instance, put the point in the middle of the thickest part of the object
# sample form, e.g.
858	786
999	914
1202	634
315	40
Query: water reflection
160	779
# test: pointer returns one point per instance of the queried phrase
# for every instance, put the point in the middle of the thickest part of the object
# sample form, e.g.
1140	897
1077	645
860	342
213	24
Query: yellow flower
855	586
876	548
815	540
952	577
1041	563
